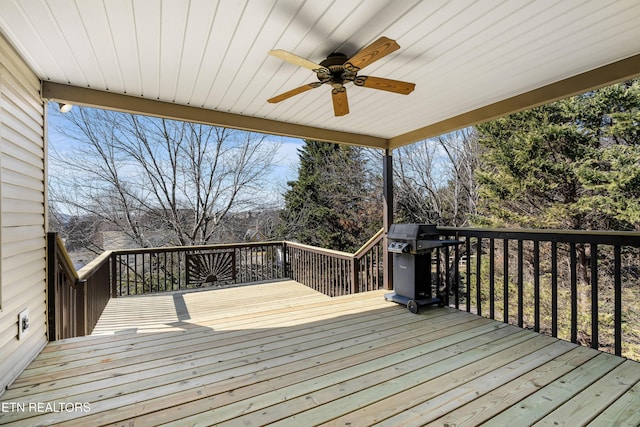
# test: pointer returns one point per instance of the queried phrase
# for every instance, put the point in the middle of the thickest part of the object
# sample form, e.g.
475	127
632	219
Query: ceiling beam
137	105
615	72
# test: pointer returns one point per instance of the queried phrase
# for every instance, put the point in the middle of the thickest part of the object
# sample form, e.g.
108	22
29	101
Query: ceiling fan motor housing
338	75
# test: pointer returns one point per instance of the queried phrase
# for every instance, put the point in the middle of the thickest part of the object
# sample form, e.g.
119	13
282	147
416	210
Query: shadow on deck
282	353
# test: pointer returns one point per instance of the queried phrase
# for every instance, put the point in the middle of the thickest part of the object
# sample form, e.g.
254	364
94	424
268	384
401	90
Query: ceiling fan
337	70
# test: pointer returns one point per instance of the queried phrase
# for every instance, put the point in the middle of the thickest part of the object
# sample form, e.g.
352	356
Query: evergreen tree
571	164
335	202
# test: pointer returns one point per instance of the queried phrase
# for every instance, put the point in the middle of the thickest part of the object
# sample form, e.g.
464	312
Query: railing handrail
340	254
66	263
322	251
89	269
85	271
196	247
374	240
629	238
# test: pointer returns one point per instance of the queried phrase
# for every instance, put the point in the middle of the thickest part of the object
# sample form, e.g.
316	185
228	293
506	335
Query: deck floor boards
283	354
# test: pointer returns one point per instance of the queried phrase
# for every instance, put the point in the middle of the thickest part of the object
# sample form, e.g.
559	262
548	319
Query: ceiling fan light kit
338	70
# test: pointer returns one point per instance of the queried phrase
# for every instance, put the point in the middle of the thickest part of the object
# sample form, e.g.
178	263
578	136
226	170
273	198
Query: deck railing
370	264
141	271
580	286
327	271
95	278
337	273
75	299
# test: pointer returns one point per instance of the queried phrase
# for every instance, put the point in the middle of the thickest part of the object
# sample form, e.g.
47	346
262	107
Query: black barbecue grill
412	245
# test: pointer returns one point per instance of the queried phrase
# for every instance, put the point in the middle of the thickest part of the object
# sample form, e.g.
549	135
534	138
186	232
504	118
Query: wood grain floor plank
462	387
400	358
623	412
250	376
546	400
218	350
588	404
282	353
487	406
336	404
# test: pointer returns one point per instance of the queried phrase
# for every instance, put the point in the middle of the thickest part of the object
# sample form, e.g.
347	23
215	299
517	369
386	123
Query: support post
387	215
112	276
51	287
285	267
355	276
81	308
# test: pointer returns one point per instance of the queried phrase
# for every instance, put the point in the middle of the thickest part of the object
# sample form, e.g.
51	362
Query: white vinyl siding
22	214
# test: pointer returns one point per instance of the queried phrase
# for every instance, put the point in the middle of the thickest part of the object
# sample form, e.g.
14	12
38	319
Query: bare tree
158	181
463	152
434	180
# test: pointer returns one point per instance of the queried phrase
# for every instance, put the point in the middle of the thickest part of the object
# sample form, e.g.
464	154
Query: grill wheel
413	306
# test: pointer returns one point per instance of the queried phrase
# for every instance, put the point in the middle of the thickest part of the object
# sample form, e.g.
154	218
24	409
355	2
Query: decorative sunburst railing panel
211	268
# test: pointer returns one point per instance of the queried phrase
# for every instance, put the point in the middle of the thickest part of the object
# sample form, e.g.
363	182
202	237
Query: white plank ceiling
462	54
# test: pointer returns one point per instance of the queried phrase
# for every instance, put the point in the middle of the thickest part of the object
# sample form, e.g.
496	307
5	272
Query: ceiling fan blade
296	60
376	50
340	102
396	86
293	92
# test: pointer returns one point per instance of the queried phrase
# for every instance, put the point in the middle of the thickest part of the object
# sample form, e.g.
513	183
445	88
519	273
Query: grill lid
415	239
413	232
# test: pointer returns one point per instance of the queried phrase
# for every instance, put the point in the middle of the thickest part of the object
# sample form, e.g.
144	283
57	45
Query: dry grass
605	295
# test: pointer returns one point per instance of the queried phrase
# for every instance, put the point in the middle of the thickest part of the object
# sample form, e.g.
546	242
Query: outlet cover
23	323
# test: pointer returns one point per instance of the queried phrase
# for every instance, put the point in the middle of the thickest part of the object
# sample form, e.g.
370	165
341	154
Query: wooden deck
281	353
